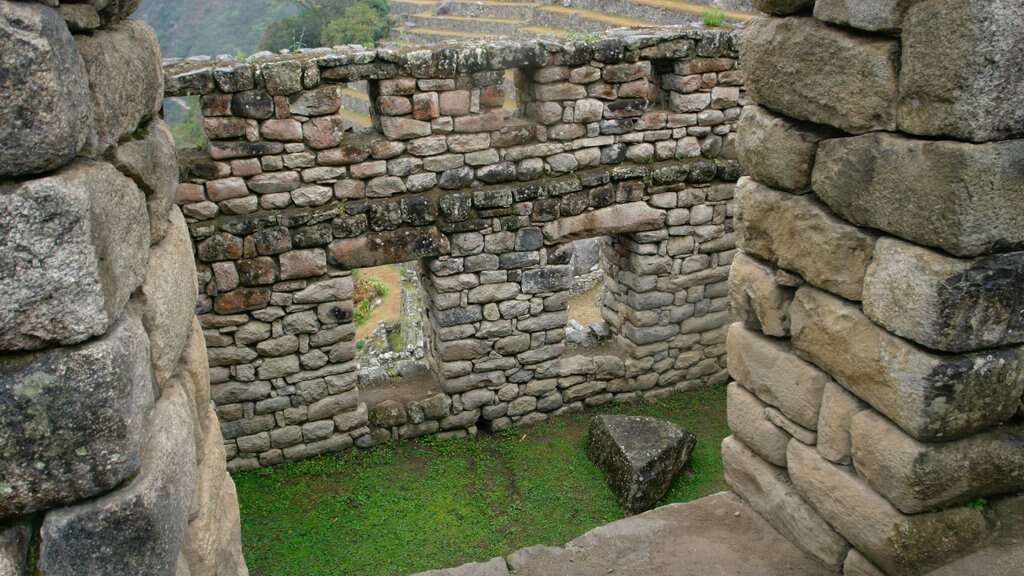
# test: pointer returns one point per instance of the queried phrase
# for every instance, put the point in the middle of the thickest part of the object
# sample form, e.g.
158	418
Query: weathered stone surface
15	541
777	151
857	565
876	16
493	567
838	407
897	543
954	77
639	455
917	477
931	397
771	494
957	305
390	247
750	424
770	369
46	107
137	529
126	79
169	296
811	71
73	247
783	7
631	217
918	189
151	162
757	299
799	234
76	411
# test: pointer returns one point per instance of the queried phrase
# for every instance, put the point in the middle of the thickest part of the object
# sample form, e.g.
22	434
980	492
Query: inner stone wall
878	365
111	455
629	137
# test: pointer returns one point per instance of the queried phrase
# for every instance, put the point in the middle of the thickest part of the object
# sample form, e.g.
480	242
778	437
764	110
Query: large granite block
778	151
152	162
757	298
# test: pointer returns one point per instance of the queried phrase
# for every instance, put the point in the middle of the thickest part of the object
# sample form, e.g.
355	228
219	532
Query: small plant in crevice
713	17
979	504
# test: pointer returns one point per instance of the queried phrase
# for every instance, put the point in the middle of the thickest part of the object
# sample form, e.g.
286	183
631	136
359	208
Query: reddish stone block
425	106
216	105
241	300
220	246
218	128
394	105
454	103
492	96
257	271
275	240
323	132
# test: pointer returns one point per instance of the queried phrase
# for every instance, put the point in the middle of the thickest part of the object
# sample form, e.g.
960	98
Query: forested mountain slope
211	27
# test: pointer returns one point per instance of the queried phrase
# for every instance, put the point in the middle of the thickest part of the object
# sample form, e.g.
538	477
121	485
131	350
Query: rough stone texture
125	77
783	7
944	303
857	565
639	455
897	543
46	105
634	217
74	247
493	567
810	71
388	247
1003	554
917	477
789	231
757	299
954	65
777	151
838	407
770	369
152	163
749	423
137	529
769	491
72	420
931	397
887	181
14	548
871	15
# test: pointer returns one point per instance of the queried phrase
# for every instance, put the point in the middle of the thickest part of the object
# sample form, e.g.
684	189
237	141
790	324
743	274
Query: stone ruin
876	408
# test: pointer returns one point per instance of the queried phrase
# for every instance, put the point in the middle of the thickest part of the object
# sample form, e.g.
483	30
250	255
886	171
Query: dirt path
390	308
585	308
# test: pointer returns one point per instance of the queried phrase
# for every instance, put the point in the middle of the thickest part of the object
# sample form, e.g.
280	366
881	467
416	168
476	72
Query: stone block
955	77
750	424
126	79
47	108
151	161
770	369
838	407
871	15
810	71
390	247
930	396
958	305
857	565
169	298
771	494
639	456
74	247
897	543
15	545
631	217
757	298
799	234
966	199
493	567
918	477
777	151
137	529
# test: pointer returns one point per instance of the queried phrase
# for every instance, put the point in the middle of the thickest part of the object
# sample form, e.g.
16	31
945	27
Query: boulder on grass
639	455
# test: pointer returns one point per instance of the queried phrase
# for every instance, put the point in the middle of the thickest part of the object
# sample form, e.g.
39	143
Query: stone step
571	18
419	35
403	7
489	9
662	11
478	26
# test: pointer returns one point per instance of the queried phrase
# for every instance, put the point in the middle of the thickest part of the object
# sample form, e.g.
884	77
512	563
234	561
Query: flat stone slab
639	455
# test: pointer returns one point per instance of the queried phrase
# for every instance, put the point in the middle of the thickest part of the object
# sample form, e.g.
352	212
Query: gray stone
770	369
15	541
137	529
73	247
639	455
917	477
777	151
799	234
783	7
919	190
897	543
388	413
46	105
958	305
169	298
955	78
757	299
857	565
126	79
631	217
748	422
389	247
871	15
771	494
71	419
808	70
932	397
838	407
151	161
493	567
795	430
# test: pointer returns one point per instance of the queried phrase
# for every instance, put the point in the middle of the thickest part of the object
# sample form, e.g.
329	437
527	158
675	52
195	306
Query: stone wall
111	456
878	365
629	137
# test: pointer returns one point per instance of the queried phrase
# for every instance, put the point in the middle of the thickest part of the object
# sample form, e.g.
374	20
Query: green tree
360	24
349	21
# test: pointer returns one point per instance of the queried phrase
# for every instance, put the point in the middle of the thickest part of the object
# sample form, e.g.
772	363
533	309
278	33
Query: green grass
413	506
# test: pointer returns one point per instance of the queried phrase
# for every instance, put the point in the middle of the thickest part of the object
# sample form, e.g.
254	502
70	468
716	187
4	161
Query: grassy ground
413	506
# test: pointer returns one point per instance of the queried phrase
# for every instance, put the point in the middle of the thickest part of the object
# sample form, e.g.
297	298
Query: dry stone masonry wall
878	364
111	455
629	137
